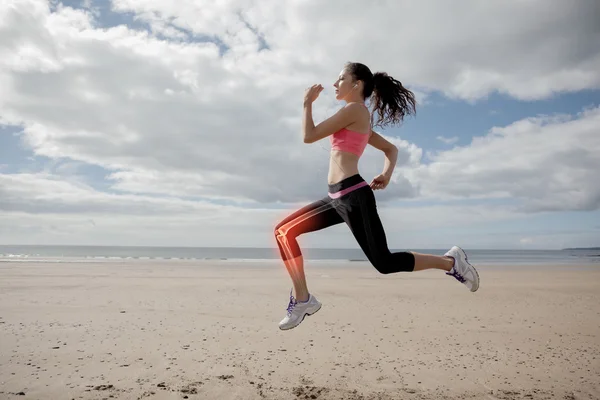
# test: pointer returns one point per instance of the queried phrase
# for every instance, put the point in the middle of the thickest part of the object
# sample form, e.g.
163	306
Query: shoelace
291	305
458	276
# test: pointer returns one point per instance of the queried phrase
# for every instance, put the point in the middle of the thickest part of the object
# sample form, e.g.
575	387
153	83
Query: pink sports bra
350	141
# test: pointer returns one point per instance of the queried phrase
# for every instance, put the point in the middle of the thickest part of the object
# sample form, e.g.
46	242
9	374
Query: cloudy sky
152	122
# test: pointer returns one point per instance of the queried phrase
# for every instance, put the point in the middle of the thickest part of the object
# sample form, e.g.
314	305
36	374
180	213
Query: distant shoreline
87	254
267	248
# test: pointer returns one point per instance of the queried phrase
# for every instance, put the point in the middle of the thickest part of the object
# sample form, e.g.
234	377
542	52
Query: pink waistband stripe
347	190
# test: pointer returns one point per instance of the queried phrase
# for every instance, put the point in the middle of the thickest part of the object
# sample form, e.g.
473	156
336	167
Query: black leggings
358	210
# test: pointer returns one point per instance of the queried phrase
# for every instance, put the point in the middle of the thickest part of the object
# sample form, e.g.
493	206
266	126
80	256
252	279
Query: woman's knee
383	268
391	263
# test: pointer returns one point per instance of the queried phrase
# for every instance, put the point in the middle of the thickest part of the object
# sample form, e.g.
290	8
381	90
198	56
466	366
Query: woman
350	198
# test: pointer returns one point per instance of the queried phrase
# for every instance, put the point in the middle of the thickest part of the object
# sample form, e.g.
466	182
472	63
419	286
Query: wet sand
208	330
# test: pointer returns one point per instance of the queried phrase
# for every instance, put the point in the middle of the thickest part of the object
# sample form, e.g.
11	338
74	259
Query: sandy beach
208	330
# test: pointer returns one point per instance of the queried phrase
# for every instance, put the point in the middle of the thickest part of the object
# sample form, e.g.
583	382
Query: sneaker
296	311
463	271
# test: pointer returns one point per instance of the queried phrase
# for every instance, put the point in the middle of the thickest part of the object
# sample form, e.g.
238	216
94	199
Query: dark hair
391	100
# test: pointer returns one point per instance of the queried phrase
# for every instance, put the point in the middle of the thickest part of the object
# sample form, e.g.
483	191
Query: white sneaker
463	271
296	311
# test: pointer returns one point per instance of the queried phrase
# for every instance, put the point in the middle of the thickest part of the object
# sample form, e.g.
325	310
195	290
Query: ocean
20	253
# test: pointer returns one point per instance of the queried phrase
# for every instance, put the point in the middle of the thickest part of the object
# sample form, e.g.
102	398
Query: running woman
350	198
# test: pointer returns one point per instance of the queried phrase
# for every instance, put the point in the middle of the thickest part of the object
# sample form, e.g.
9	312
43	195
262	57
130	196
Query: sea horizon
67	253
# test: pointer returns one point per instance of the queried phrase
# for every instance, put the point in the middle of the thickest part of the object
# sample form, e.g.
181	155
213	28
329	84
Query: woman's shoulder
356	104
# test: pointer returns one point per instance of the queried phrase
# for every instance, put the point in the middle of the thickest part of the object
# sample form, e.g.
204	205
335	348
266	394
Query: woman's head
391	101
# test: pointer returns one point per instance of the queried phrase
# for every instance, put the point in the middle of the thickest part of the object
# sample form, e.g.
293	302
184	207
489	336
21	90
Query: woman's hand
379	182
312	93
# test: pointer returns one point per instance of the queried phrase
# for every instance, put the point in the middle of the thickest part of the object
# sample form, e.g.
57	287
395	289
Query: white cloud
164	116
550	163
173	117
527	50
46	193
47	209
446	140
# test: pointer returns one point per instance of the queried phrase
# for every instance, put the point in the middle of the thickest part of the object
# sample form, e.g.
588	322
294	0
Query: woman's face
344	85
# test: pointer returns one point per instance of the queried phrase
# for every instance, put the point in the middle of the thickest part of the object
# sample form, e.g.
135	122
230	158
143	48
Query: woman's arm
391	156
390	151
341	119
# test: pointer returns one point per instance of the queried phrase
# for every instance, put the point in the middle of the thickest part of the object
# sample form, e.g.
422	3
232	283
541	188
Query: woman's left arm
341	119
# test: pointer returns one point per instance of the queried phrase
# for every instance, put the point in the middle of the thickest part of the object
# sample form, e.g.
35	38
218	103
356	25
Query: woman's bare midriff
341	166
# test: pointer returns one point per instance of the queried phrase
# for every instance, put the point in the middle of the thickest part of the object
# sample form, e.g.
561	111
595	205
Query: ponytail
391	101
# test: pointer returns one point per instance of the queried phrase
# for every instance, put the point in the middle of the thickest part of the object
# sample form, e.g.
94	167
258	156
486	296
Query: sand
208	330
